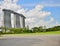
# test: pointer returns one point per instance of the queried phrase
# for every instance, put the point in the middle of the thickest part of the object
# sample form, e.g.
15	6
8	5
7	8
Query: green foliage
39	29
35	29
0	32
19	30
55	28
27	30
3	29
16	30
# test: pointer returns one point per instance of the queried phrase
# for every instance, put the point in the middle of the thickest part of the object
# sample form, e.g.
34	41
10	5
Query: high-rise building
12	19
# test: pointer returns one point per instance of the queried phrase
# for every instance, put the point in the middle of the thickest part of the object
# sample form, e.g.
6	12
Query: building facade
17	21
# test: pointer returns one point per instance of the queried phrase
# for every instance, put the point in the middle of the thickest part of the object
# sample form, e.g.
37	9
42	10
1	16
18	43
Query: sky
37	12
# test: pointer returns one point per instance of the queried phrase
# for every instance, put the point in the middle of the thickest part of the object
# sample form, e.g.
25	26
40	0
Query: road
42	40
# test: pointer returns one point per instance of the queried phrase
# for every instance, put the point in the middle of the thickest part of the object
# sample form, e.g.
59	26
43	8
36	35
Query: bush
0	32
16	30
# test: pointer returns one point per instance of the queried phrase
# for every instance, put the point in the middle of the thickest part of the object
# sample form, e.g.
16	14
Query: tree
35	29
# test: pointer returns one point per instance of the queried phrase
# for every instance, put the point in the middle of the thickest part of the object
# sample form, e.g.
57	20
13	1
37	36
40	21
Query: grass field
35	34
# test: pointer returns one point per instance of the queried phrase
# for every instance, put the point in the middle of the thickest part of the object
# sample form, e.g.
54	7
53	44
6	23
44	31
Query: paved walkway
47	40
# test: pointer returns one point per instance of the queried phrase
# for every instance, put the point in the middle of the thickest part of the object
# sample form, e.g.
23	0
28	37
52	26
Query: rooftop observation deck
7	10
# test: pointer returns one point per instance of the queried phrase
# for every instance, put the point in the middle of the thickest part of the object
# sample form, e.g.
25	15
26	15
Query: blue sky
50	7
55	10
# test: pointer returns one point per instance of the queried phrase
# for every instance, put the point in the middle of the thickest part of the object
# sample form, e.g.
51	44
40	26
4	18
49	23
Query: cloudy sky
37	12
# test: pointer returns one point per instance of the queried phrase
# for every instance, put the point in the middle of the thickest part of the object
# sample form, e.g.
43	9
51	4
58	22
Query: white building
12	19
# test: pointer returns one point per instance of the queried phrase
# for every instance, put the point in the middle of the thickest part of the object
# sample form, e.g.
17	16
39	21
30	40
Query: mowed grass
35	34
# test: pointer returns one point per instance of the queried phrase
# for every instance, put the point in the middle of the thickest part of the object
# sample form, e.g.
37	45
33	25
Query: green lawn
35	34
52	32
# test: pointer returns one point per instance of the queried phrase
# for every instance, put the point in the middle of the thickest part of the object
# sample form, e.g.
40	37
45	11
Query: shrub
16	30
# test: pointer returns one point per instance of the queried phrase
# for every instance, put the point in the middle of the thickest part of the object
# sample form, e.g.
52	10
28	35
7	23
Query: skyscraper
18	19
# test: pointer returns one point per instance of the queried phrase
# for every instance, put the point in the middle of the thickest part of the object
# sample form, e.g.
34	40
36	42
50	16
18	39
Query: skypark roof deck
13	12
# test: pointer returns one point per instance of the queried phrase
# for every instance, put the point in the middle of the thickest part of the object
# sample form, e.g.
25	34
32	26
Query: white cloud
37	12
14	1
42	22
52	24
22	11
7	4
35	17
57	24
52	19
11	1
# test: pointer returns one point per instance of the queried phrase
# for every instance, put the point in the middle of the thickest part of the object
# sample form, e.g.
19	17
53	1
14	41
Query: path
47	40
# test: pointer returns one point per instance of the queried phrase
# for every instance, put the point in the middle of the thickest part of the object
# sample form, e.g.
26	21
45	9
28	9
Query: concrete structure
18	20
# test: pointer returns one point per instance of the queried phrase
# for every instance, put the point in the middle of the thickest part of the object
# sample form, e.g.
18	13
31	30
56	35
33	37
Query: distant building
12	19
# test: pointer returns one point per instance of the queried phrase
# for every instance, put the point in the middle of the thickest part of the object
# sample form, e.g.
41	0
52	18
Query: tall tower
19	19
7	19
